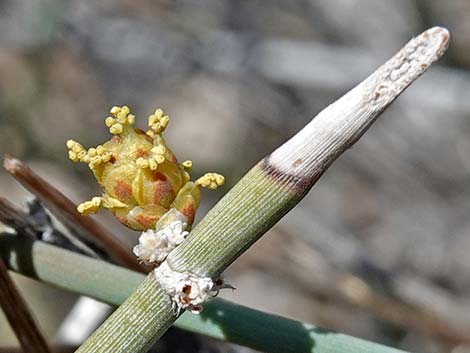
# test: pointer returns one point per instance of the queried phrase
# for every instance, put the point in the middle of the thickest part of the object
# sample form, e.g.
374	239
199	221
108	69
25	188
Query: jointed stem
266	193
220	319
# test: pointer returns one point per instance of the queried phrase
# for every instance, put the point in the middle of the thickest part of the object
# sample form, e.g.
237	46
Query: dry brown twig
15	218
65	210
84	228
19	316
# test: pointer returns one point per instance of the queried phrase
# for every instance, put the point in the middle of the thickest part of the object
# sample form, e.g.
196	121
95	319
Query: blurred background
384	236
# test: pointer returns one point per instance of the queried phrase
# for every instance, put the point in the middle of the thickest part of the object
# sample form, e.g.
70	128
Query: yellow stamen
100	150
73	156
158	121
159	158
187	165
92	152
116	129
114	110
153	165
70	144
142	162
211	180
109	121
91	206
111	202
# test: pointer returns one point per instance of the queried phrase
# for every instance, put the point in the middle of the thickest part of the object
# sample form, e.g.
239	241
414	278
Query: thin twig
18	315
16	218
36	224
65	210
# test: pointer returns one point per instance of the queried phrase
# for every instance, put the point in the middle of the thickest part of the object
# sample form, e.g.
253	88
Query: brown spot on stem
300	184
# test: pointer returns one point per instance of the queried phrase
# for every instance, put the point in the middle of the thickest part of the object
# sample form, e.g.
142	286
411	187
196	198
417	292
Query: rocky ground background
387	227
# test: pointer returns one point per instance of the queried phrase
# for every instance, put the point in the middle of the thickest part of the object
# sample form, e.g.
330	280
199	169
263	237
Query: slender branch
36	224
18	315
220	319
15	218
65	210
266	194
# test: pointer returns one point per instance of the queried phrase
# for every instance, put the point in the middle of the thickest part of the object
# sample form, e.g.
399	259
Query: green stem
253	206
265	194
220	319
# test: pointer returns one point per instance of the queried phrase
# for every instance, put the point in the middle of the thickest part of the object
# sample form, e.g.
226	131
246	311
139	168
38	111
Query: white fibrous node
187	291
154	246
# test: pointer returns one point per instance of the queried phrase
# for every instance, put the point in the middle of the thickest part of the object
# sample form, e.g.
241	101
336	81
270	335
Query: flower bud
140	176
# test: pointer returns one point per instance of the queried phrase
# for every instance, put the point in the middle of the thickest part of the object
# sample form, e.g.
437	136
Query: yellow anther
94	161
81	154
160	149
158	122
111	202
70	144
114	110
77	148
211	180
125	110
73	156
142	162
188	165
91	206
100	150
92	152
158	154
116	129
106	157
109	121
121	118
159	158
153	165
162	124
153	119
158	113
219	179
